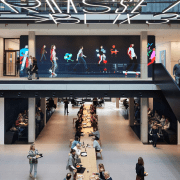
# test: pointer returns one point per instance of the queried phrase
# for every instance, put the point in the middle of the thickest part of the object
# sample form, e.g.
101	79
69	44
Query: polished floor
121	149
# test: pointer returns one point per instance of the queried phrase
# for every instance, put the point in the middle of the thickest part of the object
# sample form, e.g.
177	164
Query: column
32	43
144	120
143	55
1	56
117	102
178	132
43	108
31	116
131	111
2	120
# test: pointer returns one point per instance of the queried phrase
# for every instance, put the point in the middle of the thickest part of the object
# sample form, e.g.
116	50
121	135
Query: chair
71	141
74	119
100	154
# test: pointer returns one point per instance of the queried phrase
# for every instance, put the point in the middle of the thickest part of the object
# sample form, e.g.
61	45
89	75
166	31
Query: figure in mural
80	59
101	54
53	59
68	57
153	57
24	57
133	58
43	52
114	50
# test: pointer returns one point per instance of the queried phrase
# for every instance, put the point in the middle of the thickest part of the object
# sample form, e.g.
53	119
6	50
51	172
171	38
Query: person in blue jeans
80	59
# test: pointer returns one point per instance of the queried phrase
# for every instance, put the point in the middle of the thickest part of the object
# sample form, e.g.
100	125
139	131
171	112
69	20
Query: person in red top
53	59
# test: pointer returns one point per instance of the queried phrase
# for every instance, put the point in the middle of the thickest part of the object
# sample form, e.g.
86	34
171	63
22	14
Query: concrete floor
121	149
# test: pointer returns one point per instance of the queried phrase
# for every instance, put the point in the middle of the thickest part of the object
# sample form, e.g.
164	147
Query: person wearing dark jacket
35	67
176	72
140	169
155	135
66	102
78	133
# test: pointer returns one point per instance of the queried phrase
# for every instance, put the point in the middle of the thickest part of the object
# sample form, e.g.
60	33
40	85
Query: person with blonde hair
33	156
101	171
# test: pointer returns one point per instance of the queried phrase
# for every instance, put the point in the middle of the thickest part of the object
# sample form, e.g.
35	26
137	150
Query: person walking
133	58
80	59
35	67
140	169
176	72
155	135
66	102
43	52
33	160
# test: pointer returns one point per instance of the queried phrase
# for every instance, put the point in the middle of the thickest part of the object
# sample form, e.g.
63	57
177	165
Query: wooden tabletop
89	162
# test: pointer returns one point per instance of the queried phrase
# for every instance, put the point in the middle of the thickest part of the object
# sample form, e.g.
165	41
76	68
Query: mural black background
71	44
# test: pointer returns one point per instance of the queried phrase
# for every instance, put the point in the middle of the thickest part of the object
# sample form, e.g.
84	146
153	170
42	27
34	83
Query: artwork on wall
163	57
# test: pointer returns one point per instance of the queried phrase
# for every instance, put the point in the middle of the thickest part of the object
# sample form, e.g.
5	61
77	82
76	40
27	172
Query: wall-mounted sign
50	11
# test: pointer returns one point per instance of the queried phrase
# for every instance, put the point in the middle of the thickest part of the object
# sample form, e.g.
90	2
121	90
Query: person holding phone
33	160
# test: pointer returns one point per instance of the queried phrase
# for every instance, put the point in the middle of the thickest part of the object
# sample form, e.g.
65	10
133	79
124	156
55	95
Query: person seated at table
162	121
78	133
166	124
75	142
101	101
68	176
20	117
71	165
96	146
94	125
91	106
95	133
80	112
77	148
25	114
107	175
78	123
101	172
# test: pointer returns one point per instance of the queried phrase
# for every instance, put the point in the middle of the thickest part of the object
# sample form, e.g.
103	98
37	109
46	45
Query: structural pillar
117	102
143	55
2	120
178	132
43	108
31	122
144	120
1	56
32	43
131	111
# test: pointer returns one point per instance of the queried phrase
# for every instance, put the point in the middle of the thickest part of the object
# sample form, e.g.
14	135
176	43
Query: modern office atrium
89	90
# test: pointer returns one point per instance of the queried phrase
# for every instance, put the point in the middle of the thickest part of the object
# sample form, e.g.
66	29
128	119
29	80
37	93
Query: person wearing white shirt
77	148
166	124
80	59
133	58
163	120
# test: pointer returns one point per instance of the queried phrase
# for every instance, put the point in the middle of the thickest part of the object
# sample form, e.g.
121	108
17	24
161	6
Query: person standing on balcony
176	72
133	58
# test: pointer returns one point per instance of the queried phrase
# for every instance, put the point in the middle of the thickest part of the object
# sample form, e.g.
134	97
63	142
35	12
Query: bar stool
74	119
100	154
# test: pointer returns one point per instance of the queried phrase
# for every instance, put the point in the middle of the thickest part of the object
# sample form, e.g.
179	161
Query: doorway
11	53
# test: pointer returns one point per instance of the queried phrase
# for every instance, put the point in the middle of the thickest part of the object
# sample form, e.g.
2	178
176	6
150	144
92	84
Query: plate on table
84	123
84	154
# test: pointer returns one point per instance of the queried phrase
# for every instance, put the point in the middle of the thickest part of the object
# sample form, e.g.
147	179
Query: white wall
13	44
164	46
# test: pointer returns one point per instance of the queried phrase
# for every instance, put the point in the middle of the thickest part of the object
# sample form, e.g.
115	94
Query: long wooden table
89	162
